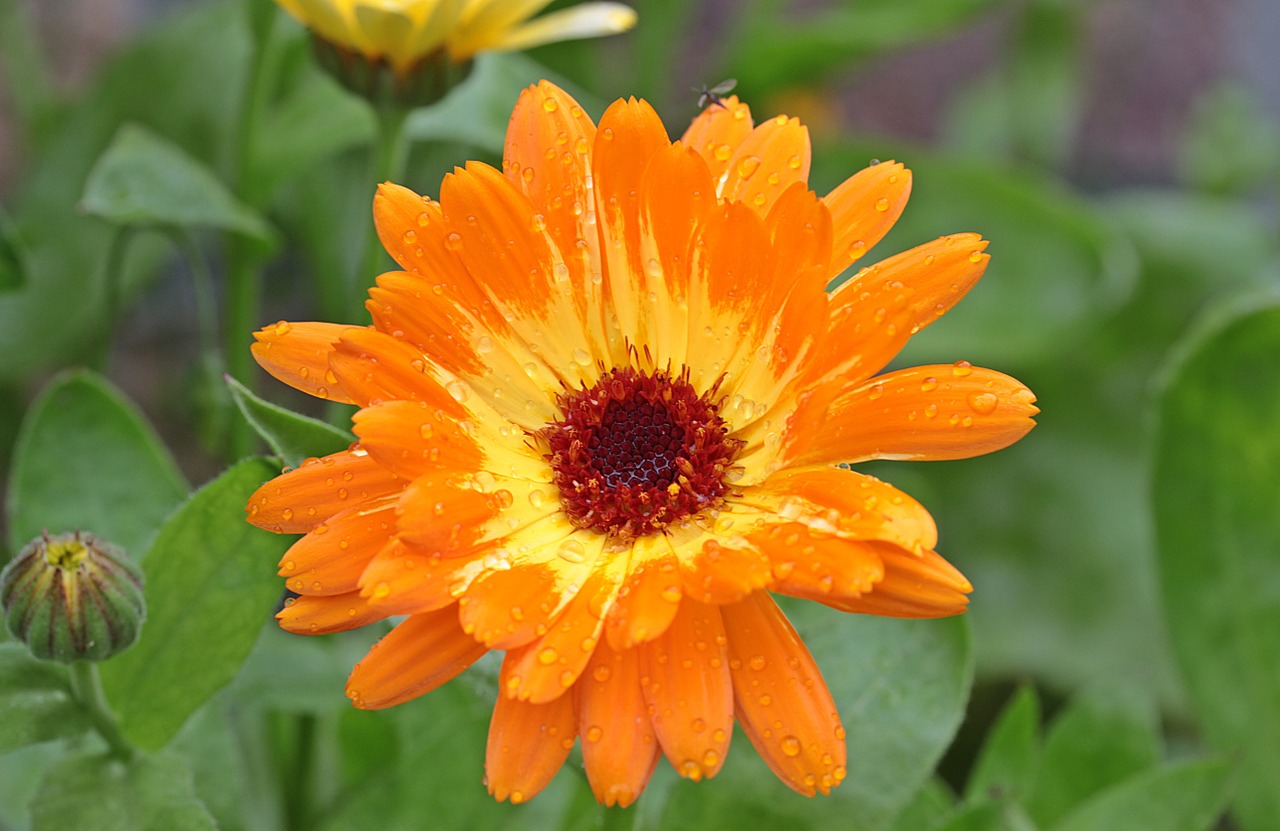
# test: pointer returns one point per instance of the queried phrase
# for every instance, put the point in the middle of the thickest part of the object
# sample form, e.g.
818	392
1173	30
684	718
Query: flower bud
377	80
72	597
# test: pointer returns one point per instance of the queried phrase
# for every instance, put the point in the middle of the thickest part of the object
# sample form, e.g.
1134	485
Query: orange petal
420	654
864	208
816	566
924	413
687	684
527	744
717	131
844	503
650	597
920	585
619	748
411	438
439	514
722	570
298	501
929	278
547	667
323	615
298	354
772	158
403	305
329	560
629	135
402	579
783	703
547	155
373	367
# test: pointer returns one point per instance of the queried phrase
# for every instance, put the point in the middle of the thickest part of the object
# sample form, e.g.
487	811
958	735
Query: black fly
711	95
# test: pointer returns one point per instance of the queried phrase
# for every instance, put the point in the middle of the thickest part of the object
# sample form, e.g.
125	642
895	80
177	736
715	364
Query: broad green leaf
1005	770
988	816
293	437
103	793
1183	797
35	701
21	772
1104	736
86	459
211	584
144	179
901	687
1216	453
293	674
929	808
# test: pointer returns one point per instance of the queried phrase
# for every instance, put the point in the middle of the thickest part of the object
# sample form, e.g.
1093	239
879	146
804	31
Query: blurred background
1122	156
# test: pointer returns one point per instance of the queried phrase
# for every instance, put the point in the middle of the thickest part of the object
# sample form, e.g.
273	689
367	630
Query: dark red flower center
636	452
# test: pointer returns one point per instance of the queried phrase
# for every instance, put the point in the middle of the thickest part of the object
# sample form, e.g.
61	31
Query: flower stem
245	257
112	279
391	152
86	687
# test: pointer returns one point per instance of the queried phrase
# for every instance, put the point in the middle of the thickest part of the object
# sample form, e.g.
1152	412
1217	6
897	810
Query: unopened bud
72	597
420	84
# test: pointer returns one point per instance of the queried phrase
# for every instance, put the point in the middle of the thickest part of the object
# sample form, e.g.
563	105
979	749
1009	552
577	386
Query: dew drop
572	551
410	237
426	430
882	204
790	745
856	249
458	390
484	345
594	733
537	498
671	594
601	674
983	403
560	272
723	152
975	256
757	662
550	104
929	384
710	759
453	241
961	368
747	166
548	655
581	357
795	162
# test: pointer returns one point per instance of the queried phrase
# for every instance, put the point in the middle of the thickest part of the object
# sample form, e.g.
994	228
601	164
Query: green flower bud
424	82
72	597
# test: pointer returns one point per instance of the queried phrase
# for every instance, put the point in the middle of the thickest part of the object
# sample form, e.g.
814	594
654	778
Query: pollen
637	452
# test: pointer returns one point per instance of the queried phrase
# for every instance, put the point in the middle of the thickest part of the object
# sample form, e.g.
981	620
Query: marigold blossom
404	32
601	413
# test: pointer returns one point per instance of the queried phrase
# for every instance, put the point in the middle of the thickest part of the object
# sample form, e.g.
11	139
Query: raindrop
572	551
929	384
790	745
453	241
983	403
962	368
547	655
882	204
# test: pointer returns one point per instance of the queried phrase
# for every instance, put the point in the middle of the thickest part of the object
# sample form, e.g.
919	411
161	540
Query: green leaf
293	437
211	584
1005	770
930	806
103	793
143	179
1104	736
901	688
87	459
1184	797
988	816
35	701
1216	453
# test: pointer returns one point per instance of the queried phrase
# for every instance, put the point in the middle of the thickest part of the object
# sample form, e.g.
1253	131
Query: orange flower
601	413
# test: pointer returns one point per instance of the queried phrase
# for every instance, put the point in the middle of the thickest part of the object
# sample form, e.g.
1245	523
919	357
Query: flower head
73	597
602	410
405	33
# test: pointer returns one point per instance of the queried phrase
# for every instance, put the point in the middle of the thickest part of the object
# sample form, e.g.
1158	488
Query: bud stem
87	689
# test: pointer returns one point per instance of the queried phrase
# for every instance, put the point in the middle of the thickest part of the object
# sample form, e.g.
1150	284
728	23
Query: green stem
391	152
87	689
297	798
202	284
112	278
244	257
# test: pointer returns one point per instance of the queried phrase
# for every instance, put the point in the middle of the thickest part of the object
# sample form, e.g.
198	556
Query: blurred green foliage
1136	525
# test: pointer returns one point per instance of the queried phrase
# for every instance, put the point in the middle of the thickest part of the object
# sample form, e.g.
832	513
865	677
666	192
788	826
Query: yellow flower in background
603	412
405	32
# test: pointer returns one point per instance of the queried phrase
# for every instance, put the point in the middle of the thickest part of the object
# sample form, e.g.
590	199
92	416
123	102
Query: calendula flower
438	38
601	413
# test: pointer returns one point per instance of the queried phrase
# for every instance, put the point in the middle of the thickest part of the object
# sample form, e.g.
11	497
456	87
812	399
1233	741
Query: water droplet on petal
882	204
453	241
929	384
790	745
572	551
961	368
983	403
